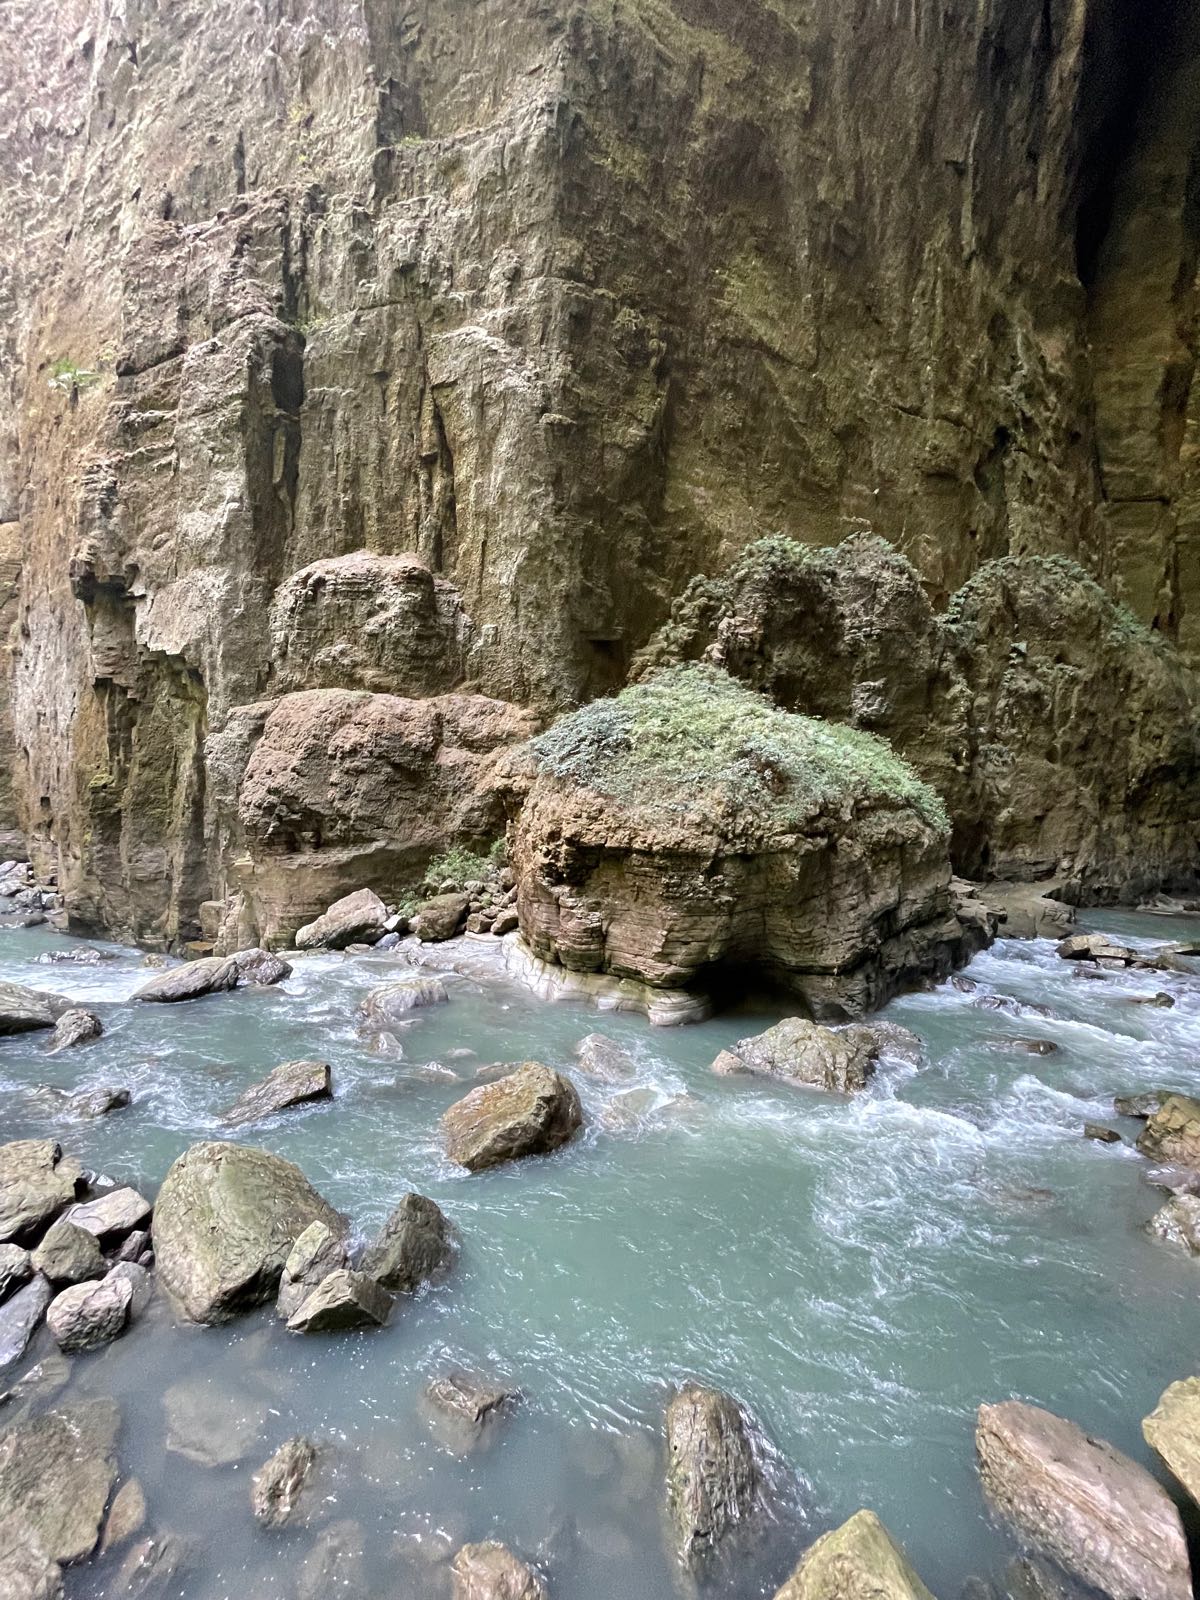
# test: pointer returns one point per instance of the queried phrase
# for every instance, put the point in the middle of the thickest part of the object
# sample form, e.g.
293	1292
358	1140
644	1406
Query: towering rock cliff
377	376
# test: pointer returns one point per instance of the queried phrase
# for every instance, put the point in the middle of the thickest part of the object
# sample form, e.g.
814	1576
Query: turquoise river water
861	1274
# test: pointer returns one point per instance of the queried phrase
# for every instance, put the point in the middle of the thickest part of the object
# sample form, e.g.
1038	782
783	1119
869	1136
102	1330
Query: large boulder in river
1093	947
441	917
56	1472
491	1572
24	1010
1098	1514
713	1479
36	1182
528	1112
350	920
414	1244
74	1027
687	824
292	1083
805	1053
191	981
858	1561
1172	1430
1172	1133
225	1221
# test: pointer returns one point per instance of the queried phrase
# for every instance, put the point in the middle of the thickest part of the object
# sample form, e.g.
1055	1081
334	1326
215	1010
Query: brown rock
348	920
491	1572
316	1253
713	1480
68	1254
440	918
856	1561
191	981
36	1182
126	1516
804	1053
1172	1430
414	1245
342	1300
531	1111
1178	1222
1172	1133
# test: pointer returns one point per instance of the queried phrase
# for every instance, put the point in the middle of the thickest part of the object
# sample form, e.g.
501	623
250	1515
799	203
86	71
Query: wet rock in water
1098	1514
126	1516
1141	1106
465	1408
152	1569
490	1571
26	1571
440	918
191	981
1099	1134
111	1216
1172	1430
343	1300
278	1484
36	1182
355	917
89	1315
292	1083
25	1010
1172	1133
1161	999
713	1478
68	1254
531	1111
393	1002
858	1561
16	1268
47	1377
84	956
257	969
134	1246
225	1221
76	1026
210	1425
141	1284
805	1053
603	1059
1032	1047
335	1565
1178	1222
1094	947
99	1102
414	1244
316	1253
56	1472
20	1318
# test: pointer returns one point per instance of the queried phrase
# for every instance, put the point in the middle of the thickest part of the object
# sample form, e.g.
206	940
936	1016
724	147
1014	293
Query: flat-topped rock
858	1561
25	1010
530	1111
292	1083
56	1473
110	1216
807	1054
191	981
1081	1502
1094	947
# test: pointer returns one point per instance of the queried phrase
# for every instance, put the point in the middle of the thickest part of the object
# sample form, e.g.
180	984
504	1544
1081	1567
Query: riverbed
860	1274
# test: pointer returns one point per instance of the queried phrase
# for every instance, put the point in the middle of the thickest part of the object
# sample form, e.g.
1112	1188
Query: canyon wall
378	376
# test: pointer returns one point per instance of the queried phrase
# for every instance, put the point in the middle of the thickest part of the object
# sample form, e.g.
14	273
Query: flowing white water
862	1274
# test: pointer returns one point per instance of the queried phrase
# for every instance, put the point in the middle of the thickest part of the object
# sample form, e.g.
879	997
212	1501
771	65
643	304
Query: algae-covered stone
805	1053
1172	1430
414	1244
1172	1133
858	1561
56	1471
490	1571
1081	1502
225	1221
714	1483
530	1111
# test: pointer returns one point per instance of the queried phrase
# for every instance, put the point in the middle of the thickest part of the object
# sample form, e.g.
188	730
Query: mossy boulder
688	824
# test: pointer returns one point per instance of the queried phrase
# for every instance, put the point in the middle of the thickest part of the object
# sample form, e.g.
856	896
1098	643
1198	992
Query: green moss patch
689	735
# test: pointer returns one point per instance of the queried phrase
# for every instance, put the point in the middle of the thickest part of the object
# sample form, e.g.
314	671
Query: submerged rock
805	1053
1141	1106
465	1408
343	1299
76	1026
25	1010
292	1083
353	918
153	1567
603	1059
1178	1222
392	1002
278	1484
126	1516
858	1561
491	1572
713	1480
208	1424
1099	1134
100	1102
36	1182
56	1472
335	1565
1172	1133
191	981
414	1244
1172	1430
88	1315
68	1254
225	1221
1081	1502
20	1318
26	1571
316	1253
531	1111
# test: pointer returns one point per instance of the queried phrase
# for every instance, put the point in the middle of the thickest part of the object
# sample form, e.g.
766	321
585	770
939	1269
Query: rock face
856	1561
279	1482
414	1244
1084	1504
529	1112
292	1083
491	1572
688	825
224	1224
713	1481
805	1053
1172	1430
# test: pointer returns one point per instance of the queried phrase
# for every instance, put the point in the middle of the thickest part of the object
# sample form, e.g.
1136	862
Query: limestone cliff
397	353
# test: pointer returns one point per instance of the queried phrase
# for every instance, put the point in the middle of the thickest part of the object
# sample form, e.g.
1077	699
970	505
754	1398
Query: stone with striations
342	1300
16	1268
531	1111
74	1027
25	1010
316	1253
293	1083
604	1059
20	1318
1172	1430
414	1244
1172	1133
88	1315
36	1182
392	1002
56	1472
110	1216
714	1484
191	981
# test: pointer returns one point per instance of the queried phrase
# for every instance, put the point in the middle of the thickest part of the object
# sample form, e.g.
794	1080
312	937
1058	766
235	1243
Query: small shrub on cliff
692	734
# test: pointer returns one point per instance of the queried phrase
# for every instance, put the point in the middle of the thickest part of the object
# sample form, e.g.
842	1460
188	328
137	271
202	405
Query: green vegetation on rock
692	732
461	865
